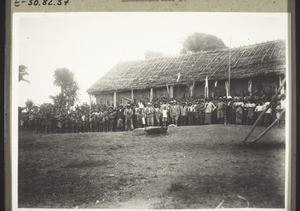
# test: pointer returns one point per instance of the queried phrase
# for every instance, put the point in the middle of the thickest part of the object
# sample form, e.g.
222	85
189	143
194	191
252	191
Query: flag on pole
178	77
227	88
216	83
168	90
206	88
250	86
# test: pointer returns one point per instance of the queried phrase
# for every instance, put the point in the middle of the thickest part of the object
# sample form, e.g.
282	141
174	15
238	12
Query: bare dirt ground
189	167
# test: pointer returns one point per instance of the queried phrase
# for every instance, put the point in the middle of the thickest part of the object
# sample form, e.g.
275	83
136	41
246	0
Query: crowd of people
163	112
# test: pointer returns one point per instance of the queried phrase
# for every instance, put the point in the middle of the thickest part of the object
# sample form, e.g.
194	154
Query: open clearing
189	167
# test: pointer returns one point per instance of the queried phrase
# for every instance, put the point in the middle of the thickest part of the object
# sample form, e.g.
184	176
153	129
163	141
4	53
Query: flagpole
229	66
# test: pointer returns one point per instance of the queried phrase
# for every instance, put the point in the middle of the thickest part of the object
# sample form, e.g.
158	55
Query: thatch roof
266	58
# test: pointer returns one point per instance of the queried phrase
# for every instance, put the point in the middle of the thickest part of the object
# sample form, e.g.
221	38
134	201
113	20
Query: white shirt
164	113
259	108
265	106
209	107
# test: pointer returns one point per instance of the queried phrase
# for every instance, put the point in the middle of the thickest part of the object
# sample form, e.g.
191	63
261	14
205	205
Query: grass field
189	167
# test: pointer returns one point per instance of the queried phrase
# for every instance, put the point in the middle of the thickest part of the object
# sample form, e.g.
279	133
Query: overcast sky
90	44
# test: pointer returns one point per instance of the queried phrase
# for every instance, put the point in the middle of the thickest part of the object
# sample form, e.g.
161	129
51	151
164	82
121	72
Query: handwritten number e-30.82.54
47	2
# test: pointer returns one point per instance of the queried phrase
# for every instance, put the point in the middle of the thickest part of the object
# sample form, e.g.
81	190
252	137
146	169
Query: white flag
227	88
216	83
206	88
178	77
250	86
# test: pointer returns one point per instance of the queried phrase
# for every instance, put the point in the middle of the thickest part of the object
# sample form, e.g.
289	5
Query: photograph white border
15	96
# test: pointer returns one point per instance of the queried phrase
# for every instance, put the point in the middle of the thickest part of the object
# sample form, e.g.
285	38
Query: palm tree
29	105
64	78
23	71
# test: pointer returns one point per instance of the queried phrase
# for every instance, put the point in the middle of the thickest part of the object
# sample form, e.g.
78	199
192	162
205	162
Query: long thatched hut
212	73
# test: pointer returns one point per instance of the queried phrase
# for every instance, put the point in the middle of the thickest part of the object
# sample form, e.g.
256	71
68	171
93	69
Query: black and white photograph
150	110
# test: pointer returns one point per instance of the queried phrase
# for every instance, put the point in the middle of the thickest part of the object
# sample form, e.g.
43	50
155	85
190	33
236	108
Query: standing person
190	114
120	118
112	119
208	109
258	110
149	111
104	121
86	122
91	122
239	111
48	123
238	114
98	121
201	113
157	114
183	113
135	115
268	114
281	107
141	117
83	123
174	112
59	124
220	111
128	113
197	113
228	111
164	116
250	112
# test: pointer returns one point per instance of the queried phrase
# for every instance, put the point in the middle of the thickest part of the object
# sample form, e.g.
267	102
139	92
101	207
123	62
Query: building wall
105	99
237	86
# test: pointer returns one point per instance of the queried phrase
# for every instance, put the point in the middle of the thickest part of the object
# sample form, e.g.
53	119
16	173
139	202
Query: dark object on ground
156	130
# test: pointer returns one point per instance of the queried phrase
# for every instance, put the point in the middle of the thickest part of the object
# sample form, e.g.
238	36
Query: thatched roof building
262	59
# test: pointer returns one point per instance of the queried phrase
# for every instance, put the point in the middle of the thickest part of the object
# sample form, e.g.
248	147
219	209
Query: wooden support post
168	91
151	94
192	88
115	99
171	91
268	106
207	91
279	78
90	96
250	86
280	82
226	88
269	128
132	96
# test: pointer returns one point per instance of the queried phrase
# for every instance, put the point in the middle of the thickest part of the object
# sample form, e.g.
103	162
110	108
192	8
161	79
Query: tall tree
23	71
64	78
29	104
201	42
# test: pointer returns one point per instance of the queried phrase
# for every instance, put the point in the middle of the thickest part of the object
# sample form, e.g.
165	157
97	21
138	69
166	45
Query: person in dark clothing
120	118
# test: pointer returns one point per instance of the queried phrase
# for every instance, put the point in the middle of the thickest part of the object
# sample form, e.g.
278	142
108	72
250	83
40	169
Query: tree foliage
46	109
23	71
201	42
68	96
29	104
